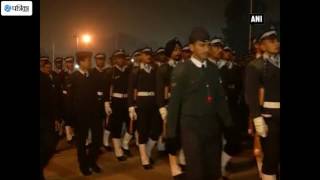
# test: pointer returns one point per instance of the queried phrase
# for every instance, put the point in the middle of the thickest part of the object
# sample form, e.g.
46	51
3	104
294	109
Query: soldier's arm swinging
252	86
174	106
221	103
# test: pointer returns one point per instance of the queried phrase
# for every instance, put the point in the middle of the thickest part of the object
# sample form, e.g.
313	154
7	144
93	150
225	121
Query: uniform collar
212	60
69	71
83	72
221	63
159	63
100	69
122	69
146	67
258	55
172	63
197	62
57	71
273	59
229	64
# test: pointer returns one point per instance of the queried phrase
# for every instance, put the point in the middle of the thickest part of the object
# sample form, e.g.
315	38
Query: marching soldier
143	106
199	103
43	61
186	53
58	76
257	54
87	114
232	82
67	102
265	72
160	59
119	102
48	115
173	54
134	66
100	76
215	50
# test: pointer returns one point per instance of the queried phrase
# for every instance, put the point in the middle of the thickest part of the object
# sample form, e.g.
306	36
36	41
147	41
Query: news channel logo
7	8
16	8
256	18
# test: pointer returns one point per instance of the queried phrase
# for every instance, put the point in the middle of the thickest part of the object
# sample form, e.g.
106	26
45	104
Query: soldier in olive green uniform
199	103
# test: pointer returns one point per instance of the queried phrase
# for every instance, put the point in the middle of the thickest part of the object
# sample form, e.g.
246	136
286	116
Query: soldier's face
176	53
120	61
271	45
161	57
200	49
85	63
226	55
69	65
41	63
186	55
100	63
215	51
146	58
58	65
47	68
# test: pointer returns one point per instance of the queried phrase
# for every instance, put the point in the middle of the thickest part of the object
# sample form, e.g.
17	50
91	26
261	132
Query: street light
86	38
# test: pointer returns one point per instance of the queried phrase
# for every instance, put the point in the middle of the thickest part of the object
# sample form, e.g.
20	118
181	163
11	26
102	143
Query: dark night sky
144	22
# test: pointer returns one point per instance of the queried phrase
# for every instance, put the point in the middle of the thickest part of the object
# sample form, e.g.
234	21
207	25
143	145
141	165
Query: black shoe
147	166
225	178
183	167
151	161
100	151
85	171
108	148
127	152
121	158
88	146
95	168
179	177
71	142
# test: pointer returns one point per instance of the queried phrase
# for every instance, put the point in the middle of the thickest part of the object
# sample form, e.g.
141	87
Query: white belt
145	93
271	105
119	95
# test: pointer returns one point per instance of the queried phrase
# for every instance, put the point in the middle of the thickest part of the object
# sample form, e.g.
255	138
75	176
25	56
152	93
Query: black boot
179	177
122	158
85	171
127	152
147	166
95	168
183	167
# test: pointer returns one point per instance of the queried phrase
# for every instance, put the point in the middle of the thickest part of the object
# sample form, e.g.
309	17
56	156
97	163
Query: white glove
132	113
261	126
107	108
164	113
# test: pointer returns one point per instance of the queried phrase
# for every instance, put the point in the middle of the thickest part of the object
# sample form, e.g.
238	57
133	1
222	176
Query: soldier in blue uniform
119	103
67	106
143	107
265	72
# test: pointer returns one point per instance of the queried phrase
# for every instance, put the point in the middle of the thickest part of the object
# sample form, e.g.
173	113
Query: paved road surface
63	166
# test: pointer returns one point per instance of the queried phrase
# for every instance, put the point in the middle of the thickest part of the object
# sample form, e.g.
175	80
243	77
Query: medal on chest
209	96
